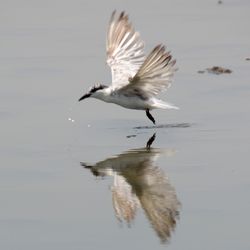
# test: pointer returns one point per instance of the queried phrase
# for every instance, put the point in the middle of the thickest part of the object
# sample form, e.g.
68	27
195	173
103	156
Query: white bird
136	79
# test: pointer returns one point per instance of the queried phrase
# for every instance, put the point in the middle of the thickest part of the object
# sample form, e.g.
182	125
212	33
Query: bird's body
131	100
126	100
136	80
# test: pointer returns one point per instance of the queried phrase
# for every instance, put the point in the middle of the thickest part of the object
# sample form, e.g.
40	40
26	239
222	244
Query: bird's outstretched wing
124	49
154	75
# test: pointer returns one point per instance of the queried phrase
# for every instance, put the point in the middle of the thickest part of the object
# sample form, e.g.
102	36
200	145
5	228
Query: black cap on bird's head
92	90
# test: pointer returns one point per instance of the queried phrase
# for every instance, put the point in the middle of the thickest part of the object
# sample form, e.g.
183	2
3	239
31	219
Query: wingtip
120	17
157	47
173	62
112	16
123	16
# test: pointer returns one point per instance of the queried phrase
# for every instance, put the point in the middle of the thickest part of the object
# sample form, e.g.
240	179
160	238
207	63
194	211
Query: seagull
136	79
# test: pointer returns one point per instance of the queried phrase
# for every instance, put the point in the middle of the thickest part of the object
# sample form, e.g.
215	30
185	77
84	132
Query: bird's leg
150	116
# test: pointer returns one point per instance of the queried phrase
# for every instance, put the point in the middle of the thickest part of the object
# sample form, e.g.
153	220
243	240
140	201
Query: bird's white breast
123	99
130	102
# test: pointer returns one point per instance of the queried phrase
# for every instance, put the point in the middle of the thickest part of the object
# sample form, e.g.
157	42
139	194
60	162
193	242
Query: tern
136	79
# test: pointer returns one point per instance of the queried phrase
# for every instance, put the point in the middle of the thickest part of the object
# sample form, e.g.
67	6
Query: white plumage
136	79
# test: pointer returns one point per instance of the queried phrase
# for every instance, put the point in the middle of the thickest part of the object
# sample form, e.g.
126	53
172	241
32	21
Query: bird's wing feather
154	75
124	49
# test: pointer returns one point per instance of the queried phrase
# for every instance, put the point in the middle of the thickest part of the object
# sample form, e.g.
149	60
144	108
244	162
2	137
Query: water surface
195	176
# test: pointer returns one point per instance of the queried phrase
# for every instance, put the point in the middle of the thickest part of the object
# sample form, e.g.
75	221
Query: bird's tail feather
163	105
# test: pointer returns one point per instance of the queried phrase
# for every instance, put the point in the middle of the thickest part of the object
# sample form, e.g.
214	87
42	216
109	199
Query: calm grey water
91	184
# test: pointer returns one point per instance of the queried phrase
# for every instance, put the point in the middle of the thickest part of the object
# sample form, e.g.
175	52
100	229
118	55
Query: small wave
173	125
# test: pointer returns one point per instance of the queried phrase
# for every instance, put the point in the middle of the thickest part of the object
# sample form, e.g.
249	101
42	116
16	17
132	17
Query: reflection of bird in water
138	182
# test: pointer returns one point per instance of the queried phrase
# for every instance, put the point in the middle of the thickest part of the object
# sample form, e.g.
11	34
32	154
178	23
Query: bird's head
94	91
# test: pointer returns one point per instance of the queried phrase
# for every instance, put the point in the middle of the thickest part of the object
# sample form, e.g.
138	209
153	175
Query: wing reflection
138	182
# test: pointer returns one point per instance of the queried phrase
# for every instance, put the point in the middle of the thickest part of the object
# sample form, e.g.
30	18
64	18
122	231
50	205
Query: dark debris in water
173	125
216	70
130	136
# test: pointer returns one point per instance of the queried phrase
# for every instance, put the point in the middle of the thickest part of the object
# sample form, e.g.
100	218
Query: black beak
84	96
